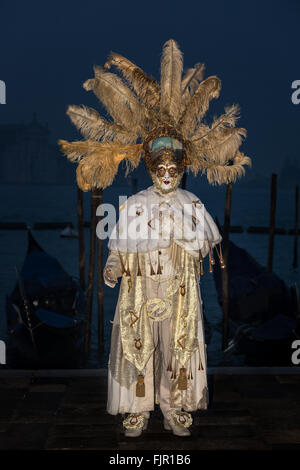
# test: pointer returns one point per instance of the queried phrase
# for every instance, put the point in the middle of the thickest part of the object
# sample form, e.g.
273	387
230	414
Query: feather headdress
141	110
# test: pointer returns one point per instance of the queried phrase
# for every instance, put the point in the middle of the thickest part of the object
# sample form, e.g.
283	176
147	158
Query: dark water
58	203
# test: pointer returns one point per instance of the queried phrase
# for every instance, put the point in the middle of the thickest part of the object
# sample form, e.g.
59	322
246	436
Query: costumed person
158	350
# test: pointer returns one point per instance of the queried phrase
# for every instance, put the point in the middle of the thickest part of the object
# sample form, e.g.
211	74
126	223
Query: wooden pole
100	287
91	273
295	260
224	272
80	220
272	222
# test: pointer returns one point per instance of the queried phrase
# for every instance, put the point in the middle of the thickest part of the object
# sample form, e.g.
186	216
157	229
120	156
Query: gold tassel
211	260
200	367
152	272
182	380
140	386
159	269
220	254
201	263
139	272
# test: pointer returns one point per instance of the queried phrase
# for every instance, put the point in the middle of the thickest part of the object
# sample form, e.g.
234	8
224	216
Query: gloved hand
112	269
110	277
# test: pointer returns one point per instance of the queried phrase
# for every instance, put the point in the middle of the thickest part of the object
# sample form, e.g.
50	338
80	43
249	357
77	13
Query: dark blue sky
48	50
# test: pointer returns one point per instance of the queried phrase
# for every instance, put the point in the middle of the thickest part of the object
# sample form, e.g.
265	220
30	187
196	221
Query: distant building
28	157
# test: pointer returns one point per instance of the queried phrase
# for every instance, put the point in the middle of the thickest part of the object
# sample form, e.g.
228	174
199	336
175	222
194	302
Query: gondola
45	315
262	312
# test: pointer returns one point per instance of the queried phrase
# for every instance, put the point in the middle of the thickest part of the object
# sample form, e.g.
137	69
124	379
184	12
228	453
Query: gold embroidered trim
134	421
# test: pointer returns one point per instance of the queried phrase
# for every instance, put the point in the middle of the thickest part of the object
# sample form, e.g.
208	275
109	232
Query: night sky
48	50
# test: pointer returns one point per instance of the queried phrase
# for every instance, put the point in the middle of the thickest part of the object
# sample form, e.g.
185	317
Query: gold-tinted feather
198	105
118	99
170	82
226	120
99	161
145	86
190	81
93	126
220	174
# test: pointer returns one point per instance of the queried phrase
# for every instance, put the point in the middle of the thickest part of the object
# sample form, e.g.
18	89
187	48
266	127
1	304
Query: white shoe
178	424
135	424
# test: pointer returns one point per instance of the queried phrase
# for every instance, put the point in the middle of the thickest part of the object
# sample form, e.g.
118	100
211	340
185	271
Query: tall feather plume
118	99
221	140
93	126
198	105
220	174
226	120
146	87
217	172
170	83
190	82
99	162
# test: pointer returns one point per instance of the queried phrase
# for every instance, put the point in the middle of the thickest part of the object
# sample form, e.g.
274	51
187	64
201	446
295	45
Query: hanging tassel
169	368
220	254
190	374
140	386
152	272
139	272
182	380
200	367
159	268
211	259
201	263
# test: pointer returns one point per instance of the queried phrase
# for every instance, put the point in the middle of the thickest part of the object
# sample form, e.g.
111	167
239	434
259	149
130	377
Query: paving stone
74	397
221	420
82	437
24	436
14	382
89	384
157	442
232	444
85	413
279	436
258	386
282	418
37	407
229	431
48	388
288	379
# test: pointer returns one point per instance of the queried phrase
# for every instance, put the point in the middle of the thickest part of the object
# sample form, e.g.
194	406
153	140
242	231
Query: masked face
166	178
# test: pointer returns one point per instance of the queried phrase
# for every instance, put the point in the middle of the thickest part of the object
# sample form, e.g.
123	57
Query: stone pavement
251	412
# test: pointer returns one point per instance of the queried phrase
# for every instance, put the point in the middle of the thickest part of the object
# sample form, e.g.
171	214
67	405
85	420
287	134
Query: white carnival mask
166	178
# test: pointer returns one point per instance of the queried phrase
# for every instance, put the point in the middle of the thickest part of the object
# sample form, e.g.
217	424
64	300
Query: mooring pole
100	287
272	222
91	273
295	260
80	222
224	272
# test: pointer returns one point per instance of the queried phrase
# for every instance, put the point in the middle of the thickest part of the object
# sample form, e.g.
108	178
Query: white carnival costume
158	350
